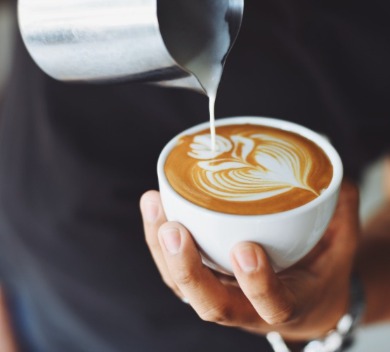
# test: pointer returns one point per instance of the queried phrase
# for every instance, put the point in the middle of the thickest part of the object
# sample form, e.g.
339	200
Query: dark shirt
75	159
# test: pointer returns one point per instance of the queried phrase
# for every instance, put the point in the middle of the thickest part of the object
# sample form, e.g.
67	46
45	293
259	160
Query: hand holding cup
302	302
269	181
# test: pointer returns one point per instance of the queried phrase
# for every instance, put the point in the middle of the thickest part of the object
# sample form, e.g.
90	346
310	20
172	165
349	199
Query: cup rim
318	139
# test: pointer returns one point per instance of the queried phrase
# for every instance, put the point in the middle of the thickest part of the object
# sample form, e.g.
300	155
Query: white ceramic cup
286	236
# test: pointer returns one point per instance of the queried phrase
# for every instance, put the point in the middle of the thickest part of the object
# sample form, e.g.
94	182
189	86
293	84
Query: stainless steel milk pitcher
133	40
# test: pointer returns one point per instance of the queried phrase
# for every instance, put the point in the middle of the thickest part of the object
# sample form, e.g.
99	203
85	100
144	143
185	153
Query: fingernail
172	240
150	211
246	258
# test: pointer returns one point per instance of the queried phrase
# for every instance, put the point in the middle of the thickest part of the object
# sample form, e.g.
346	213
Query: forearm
7	343
373	266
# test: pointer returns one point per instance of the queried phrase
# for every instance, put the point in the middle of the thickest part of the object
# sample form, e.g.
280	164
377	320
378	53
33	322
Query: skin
302	302
373	259
7	342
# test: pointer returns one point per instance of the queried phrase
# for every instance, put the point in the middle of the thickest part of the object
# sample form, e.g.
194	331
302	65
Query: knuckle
260	294
184	277
221	314
281	316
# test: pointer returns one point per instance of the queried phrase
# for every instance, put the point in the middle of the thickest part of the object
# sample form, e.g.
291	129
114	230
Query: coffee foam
253	170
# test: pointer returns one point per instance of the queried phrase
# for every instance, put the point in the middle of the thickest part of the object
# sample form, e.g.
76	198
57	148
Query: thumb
271	299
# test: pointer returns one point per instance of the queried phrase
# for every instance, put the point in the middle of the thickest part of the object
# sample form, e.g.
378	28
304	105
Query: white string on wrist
336	340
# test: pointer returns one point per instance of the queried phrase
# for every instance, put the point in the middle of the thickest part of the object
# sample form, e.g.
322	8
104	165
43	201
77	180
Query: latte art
252	170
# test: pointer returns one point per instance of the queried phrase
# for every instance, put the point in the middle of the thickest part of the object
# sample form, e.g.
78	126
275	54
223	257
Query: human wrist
341	335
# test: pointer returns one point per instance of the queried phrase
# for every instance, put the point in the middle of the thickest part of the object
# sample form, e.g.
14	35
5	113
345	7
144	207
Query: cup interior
317	138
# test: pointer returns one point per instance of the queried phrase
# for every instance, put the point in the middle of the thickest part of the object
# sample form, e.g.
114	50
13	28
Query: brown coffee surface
253	170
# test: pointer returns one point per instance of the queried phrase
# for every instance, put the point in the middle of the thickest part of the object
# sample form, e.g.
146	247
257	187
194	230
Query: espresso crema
253	170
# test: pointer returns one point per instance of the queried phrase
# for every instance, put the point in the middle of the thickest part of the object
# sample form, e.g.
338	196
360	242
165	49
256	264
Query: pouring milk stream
209	41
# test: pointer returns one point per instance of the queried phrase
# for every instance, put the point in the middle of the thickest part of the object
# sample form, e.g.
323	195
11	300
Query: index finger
211	299
153	217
